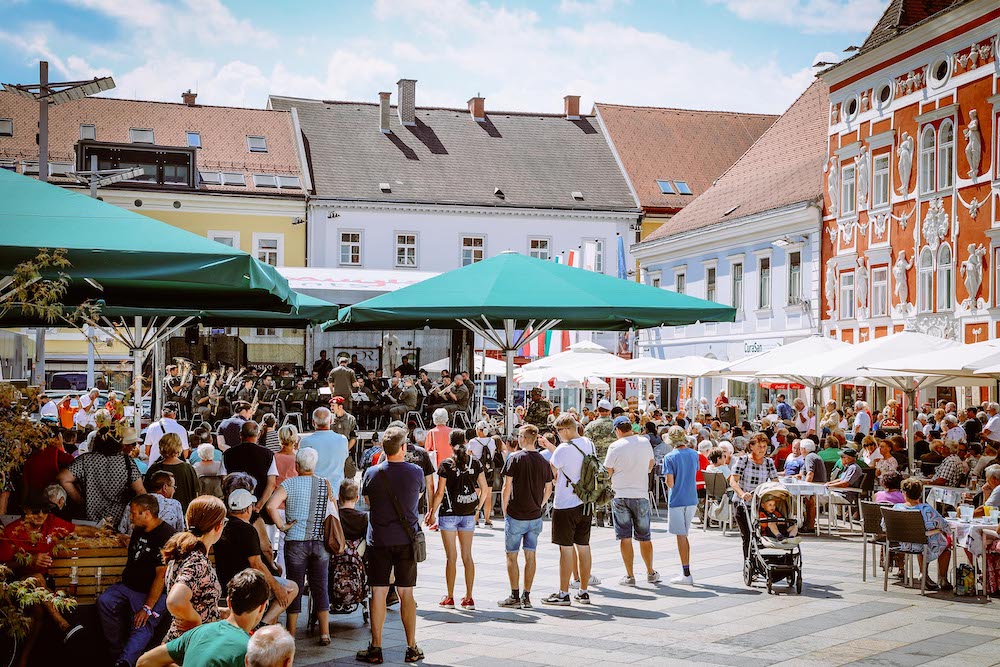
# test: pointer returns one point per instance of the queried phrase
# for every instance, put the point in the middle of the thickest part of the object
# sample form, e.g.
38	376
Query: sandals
372	655
413	654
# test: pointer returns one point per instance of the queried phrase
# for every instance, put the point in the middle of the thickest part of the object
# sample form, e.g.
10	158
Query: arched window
927	160
946	155
925	281
945	275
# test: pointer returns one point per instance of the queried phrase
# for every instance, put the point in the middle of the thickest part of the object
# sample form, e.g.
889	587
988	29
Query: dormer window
6	127
88	132
141	136
257	144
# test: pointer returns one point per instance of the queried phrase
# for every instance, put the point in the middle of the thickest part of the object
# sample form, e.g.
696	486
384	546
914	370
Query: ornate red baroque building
911	226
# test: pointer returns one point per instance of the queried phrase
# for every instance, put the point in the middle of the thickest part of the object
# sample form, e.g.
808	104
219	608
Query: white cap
240	499
604	404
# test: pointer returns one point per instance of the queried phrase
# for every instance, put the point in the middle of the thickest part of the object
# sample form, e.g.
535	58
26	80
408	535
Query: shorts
571	526
281	582
382	561
631	517
515	531
679	519
463	524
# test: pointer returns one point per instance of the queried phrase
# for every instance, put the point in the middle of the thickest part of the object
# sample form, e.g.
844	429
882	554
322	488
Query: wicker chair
905	526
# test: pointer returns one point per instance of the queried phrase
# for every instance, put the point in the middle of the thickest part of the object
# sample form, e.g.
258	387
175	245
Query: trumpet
255	404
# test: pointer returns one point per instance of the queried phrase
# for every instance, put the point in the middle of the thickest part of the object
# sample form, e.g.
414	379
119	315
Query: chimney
383	112
189	97
406	101
572	105
477	107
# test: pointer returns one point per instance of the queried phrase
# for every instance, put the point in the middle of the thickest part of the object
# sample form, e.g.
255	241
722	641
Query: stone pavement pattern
838	619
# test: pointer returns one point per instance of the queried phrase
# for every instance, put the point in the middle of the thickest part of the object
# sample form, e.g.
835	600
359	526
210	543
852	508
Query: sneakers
413	654
372	655
511	603
681	579
626	581
558	599
653	577
526	601
583	597
468	604
593	581
447	602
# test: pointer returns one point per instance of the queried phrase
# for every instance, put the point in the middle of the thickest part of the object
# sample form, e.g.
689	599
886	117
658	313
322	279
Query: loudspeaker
191	335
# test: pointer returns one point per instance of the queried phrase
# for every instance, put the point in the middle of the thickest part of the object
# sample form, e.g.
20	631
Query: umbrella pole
509	393
911	417
137	356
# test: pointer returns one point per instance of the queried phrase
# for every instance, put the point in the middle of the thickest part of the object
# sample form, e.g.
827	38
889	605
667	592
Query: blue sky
752	55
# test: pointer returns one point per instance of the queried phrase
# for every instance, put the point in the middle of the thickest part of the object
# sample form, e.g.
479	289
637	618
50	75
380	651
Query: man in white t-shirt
991	431
571	519
47	408
84	417
166	424
629	462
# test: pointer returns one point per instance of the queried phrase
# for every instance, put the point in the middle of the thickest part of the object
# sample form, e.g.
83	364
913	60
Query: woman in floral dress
938	542
193	588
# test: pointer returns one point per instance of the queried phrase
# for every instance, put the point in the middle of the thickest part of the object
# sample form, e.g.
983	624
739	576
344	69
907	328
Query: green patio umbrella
126	258
510	299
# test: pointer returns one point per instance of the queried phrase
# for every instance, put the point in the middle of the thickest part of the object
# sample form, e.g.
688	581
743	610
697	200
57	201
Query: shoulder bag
417	539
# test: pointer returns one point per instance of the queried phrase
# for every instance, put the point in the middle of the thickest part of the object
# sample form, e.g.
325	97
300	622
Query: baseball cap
604	404
240	499
622	421
339	400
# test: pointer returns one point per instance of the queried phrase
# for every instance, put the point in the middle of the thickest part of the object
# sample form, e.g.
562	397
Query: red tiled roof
900	15
224	132
678	144
784	167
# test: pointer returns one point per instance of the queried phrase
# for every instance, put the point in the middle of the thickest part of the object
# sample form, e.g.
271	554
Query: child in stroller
774	546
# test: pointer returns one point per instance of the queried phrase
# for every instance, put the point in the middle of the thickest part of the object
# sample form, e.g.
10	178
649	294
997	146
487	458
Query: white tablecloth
970	535
800	488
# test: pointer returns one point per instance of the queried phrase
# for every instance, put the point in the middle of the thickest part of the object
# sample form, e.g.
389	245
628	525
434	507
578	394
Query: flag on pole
622	268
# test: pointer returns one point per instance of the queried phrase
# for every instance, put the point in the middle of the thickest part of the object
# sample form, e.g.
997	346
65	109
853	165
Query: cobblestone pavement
837	620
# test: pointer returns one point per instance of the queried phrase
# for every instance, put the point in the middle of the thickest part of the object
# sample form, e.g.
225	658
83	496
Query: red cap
339	400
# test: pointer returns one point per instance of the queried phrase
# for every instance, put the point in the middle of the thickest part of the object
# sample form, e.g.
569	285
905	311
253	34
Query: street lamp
57	92
46	93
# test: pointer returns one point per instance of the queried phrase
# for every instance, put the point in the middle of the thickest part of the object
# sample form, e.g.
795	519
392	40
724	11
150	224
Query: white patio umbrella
681	367
583	352
484	365
550	378
961	362
811	348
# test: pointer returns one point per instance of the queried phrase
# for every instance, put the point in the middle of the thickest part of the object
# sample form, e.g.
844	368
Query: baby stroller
769	557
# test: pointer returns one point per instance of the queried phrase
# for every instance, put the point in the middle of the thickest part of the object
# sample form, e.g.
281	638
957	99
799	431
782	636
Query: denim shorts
630	517
514	530
463	524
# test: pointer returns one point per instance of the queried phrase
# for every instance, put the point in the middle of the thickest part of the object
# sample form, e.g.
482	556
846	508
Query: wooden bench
95	570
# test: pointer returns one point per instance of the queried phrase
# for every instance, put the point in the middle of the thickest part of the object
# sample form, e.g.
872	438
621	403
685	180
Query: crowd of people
227	528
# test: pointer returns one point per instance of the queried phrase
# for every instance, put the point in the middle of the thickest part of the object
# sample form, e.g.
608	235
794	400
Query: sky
740	55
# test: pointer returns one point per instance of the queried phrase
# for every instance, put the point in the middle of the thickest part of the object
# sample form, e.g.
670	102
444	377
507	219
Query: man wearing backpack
571	514
484	449
629	462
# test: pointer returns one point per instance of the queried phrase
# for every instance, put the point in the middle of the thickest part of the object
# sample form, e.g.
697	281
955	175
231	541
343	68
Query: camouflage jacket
601	432
538	412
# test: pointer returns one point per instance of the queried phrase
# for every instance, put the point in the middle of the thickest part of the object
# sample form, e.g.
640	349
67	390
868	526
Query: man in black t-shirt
239	549
256	461
527	485
131	609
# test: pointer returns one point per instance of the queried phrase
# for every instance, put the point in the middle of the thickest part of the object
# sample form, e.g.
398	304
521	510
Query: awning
346	286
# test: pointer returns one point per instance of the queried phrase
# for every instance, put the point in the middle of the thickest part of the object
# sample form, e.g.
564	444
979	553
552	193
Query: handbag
333	535
417	539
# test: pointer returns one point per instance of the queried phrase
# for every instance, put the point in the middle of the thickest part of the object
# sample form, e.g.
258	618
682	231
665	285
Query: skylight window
666	187
194	139
682	187
6	127
257	144
141	136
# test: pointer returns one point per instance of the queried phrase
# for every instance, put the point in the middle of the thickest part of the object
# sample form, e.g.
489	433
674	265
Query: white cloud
587	7
810	15
455	48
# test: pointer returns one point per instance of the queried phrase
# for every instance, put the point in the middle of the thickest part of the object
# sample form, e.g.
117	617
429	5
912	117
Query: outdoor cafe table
800	488
968	535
